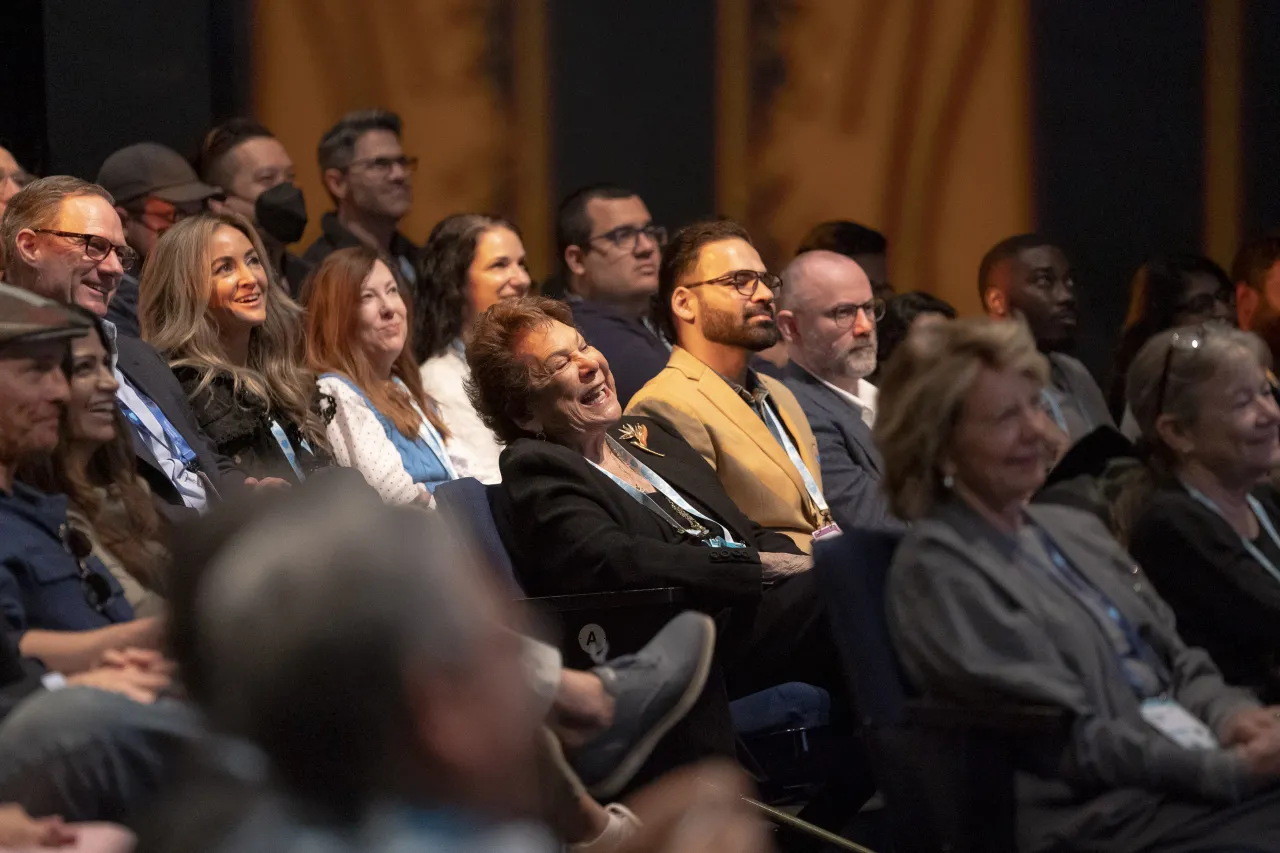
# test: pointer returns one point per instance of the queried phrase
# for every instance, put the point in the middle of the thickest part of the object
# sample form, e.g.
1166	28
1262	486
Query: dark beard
728	329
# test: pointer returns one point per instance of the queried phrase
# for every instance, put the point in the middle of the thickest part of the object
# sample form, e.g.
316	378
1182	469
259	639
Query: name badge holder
828	528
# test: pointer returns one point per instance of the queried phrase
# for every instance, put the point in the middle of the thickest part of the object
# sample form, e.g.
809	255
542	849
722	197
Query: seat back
465	502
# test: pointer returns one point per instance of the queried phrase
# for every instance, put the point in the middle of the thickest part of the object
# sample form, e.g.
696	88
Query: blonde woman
209	303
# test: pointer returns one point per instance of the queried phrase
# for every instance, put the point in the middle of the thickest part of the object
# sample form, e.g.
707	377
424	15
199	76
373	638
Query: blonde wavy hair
173	310
923	391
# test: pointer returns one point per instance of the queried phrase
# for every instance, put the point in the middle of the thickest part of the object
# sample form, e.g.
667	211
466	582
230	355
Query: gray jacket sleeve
961	637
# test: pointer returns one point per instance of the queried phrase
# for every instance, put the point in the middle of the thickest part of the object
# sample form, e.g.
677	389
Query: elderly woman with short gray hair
994	600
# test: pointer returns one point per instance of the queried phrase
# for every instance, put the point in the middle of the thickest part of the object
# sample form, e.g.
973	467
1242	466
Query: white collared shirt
864	401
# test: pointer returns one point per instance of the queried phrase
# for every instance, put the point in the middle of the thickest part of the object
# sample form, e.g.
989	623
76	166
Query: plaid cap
27	318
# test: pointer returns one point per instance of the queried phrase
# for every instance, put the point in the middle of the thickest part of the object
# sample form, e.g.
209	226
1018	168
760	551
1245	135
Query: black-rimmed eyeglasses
743	281
627	237
97	247
383	165
844	316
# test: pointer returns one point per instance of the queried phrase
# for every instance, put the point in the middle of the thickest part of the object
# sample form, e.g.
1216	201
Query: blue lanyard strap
1081	586
169	435
431	436
1264	521
282	439
1055	410
810	485
725	539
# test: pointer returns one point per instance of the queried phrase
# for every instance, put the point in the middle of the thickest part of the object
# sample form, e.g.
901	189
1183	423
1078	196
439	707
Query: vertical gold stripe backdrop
1223	187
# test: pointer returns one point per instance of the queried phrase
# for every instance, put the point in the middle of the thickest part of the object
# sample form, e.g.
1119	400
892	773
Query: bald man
827	315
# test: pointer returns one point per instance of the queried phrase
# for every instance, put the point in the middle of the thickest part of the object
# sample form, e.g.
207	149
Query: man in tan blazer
715	301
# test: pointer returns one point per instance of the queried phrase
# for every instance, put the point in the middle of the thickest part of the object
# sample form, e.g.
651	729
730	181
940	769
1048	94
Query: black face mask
282	212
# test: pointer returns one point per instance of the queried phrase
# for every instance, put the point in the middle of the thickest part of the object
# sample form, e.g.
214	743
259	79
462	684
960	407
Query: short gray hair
37	205
338	145
310	618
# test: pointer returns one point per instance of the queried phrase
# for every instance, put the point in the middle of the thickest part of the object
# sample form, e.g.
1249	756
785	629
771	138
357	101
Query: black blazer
570	529
239	427
851	464
150	374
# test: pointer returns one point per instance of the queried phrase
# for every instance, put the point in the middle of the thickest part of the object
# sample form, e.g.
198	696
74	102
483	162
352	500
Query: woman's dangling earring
948	481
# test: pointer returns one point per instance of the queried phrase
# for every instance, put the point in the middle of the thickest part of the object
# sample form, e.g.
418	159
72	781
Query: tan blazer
696	402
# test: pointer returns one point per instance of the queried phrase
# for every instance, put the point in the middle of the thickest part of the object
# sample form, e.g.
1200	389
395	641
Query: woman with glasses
359	344
1166	292
67	513
1206	519
469	263
233	337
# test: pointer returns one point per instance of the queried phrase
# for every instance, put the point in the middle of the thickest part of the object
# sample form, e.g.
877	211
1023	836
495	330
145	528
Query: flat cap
27	318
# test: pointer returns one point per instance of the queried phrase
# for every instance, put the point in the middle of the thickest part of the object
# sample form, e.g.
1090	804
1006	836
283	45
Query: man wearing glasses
827	315
611	250
370	180
716	302
154	188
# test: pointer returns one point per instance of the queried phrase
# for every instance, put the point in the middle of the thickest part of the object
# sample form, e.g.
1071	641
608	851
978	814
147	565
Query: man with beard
1028	278
1256	272
370	181
827	316
715	301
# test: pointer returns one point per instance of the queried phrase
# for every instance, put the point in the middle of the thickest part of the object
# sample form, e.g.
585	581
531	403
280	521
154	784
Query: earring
540	435
948	482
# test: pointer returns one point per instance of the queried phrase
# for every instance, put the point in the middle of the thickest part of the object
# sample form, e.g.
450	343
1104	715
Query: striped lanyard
286	446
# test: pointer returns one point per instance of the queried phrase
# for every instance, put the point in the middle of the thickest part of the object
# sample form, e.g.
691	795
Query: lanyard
177	444
428	433
282	439
1055	410
1263	521
1082	587
653	330
811	486
460	348
724	540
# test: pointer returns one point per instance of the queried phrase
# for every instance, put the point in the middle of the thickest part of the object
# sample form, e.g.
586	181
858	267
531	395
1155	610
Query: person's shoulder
525	459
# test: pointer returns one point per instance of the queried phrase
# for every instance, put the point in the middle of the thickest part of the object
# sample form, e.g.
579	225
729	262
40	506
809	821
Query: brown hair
923	393
332	296
173	310
501	386
37	206
108	484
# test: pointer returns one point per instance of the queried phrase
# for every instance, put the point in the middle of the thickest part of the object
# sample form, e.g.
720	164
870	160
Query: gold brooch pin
638	434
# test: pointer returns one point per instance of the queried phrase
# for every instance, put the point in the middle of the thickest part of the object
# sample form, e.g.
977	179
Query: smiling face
91	409
498	271
238	281
381	328
574	395
63	270
33	390
1000	447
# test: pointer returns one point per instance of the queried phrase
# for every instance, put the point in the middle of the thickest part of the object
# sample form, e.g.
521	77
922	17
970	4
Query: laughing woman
358	341
208	303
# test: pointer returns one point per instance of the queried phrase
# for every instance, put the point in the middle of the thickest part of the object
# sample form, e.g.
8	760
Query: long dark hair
1155	295
444	266
110	477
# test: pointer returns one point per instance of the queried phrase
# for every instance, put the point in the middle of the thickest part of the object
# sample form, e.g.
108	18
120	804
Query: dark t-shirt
1225	600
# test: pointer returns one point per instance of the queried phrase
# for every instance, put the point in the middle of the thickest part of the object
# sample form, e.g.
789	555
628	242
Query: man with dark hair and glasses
370	180
610	249
827	315
154	188
716	303
62	238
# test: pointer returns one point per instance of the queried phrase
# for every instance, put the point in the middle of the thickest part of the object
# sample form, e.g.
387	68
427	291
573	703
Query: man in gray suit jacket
828	316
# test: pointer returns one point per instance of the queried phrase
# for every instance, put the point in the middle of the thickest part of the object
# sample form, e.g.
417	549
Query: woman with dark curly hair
470	262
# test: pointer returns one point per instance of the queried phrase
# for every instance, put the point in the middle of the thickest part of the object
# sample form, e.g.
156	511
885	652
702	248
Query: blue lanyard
1055	410
810	485
282	439
724	540
1263	521
459	347
428	433
170	436
1081	586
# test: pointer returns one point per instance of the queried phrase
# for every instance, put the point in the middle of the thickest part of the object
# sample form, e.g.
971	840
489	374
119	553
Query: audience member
903	314
64	241
715	300
93	468
254	170
470	262
611	249
234	339
370	181
1256	273
154	187
593	502
991	600
1166	292
12	178
359	344
1028	278
1205	511
828	318
867	246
